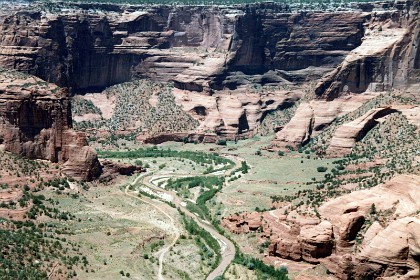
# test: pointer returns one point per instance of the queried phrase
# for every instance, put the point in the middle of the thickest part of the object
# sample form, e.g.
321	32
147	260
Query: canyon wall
35	122
388	57
223	53
84	49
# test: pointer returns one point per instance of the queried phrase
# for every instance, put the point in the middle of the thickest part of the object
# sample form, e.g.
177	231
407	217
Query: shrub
290	148
373	209
321	169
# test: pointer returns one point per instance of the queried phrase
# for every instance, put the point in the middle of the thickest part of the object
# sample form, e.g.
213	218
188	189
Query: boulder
316	241
120	168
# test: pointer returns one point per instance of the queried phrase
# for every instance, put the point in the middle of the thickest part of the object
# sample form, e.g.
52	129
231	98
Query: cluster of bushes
321	168
196	181
212	186
194	229
154	152
256	264
28	250
243	169
82	106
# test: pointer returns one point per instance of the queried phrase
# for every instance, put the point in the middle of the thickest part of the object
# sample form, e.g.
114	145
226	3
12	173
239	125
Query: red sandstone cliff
35	122
215	55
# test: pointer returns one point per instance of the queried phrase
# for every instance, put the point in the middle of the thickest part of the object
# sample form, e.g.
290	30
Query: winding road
227	247
164	250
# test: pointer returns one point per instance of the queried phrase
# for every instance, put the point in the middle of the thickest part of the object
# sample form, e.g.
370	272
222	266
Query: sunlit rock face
391	249
230	53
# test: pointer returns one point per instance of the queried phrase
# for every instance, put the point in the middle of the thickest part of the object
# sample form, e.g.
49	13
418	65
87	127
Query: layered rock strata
35	122
387	58
69	46
218	51
313	116
347	135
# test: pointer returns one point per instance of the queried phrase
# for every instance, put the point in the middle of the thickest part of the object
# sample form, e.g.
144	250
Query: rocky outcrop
79	160
393	253
299	129
402	250
35	122
312	117
390	245
120	168
316	241
306	240
387	58
386	250
233	114
311	243
348	134
179	137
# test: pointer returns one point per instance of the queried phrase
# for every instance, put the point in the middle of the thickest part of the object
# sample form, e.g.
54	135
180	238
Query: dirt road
161	253
227	247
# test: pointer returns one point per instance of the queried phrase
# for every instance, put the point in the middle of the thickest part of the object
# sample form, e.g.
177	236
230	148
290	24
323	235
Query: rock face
388	248
233	114
219	52
387	58
289	239
402	250
311	117
68	47
35	122
299	129
121	168
348	134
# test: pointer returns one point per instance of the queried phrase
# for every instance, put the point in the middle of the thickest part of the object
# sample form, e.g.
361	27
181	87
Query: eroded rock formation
346	136
389	247
312	117
220	52
68	47
35	122
387	58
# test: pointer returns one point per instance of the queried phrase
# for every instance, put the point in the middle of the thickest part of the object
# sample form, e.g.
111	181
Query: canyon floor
125	224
